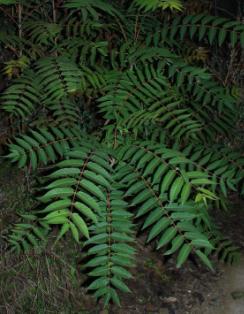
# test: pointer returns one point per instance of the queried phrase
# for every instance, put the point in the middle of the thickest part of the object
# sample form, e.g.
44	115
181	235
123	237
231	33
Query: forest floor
51	281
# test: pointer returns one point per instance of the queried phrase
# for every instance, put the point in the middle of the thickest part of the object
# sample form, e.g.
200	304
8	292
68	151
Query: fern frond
59	77
152	5
8	2
42	33
92	7
28	234
224	250
200	85
127	92
164	193
110	249
89	29
65	112
39	147
226	172
198	27
86	52
130	54
75	190
138	98
22	97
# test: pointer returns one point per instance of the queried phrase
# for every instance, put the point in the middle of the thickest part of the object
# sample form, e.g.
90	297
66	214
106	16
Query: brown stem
20	25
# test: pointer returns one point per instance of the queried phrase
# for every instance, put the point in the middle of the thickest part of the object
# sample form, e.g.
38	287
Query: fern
78	186
156	118
110	249
29	234
214	29
91	7
7	2
59	77
42	33
151	5
42	146
173	223
23	96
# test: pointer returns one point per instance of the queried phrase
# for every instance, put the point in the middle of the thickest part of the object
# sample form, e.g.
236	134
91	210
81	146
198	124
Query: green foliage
122	129
151	5
42	146
22	95
7	2
110	247
201	27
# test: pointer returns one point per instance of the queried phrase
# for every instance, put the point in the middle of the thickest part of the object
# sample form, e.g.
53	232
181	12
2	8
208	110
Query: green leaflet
135	188
98	283
141	197
99	271
176	244
98	248
86	211
97	179
57	192
185	192
65	172
74	231
99	170
92	188
158	228
88	200
201	181
61	183
121	272
58	220
183	254
204	259
176	188
61	204
147	206
167	180
117	283
167	237
57	213
153	217
64	229
80	224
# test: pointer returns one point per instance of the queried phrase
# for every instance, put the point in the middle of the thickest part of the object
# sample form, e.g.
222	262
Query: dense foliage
114	101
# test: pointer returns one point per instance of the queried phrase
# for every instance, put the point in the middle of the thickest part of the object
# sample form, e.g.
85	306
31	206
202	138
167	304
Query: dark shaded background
229	8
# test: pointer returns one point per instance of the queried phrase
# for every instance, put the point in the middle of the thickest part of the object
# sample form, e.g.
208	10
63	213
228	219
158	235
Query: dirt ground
51	282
